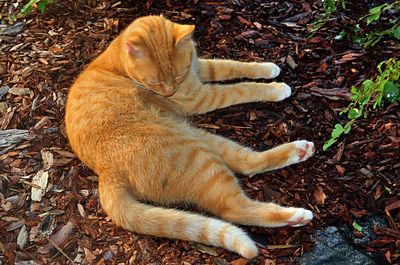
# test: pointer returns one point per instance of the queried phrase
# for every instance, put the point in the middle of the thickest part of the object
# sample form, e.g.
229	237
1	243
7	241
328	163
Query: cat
126	119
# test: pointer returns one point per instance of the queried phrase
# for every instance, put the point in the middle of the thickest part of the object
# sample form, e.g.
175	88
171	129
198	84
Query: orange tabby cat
125	118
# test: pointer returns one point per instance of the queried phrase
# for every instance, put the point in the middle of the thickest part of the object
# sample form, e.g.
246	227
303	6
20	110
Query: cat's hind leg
120	204
246	161
219	70
220	194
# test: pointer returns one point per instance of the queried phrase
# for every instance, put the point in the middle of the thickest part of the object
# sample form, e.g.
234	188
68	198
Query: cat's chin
164	94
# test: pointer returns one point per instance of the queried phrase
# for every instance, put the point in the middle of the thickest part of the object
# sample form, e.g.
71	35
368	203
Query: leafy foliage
330	7
385	86
355	35
39	4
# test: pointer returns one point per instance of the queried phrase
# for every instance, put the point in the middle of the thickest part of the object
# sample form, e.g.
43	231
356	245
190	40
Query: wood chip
22	238
19	91
39	184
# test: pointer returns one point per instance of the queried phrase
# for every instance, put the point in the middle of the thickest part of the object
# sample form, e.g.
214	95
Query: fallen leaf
319	195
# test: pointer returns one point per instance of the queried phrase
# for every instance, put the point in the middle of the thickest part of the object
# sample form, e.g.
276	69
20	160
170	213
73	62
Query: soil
41	55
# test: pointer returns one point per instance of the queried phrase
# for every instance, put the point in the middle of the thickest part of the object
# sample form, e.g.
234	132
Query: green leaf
354	113
365	100
372	18
28	7
354	90
328	144
377	9
25	10
341	35
337	131
367	84
347	128
343	2
378	101
42	5
391	92
357	227
396	32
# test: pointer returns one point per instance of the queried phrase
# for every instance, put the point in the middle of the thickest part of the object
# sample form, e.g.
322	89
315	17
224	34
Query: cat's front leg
210	97
219	70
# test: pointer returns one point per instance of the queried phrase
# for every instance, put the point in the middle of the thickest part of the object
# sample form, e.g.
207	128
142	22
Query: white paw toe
283	90
300	217
272	70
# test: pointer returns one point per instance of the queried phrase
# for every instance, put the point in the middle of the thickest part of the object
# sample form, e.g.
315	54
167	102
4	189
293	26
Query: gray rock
337	245
332	248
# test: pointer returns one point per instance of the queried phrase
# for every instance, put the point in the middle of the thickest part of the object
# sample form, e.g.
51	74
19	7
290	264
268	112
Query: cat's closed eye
180	77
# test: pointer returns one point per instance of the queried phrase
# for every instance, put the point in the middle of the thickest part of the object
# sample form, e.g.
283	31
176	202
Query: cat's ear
182	33
134	50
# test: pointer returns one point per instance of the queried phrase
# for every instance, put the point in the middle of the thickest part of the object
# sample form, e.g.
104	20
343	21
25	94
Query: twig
59	249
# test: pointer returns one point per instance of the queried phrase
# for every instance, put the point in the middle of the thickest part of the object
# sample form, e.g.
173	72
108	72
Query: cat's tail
135	216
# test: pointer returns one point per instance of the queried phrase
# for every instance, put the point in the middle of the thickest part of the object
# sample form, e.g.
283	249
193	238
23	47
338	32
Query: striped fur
126	119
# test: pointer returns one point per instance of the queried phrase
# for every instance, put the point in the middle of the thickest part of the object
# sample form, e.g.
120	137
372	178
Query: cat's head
158	53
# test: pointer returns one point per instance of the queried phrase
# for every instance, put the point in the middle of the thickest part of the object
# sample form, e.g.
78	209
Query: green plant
354	33
330	7
28	7
39	4
385	85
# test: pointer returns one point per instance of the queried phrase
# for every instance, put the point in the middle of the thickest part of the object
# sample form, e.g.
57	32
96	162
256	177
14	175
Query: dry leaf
319	195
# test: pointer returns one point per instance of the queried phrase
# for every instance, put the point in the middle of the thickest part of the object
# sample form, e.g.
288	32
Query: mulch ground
351	181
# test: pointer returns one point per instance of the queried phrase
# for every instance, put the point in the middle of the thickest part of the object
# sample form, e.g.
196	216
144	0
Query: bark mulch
42	54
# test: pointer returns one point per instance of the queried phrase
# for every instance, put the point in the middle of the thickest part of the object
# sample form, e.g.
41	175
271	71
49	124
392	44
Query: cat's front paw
269	70
300	217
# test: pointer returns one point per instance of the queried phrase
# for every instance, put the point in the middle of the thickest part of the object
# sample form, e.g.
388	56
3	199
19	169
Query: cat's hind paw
303	150
270	70
300	217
